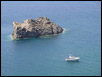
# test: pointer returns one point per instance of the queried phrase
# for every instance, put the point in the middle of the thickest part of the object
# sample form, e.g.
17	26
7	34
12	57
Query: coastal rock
35	28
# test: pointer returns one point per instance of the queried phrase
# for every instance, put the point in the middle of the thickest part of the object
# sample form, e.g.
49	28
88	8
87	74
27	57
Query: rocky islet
35	28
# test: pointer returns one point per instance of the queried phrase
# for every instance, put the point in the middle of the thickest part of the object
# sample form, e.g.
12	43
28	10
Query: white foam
64	30
10	37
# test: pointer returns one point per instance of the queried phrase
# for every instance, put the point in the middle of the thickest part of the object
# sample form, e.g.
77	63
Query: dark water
46	55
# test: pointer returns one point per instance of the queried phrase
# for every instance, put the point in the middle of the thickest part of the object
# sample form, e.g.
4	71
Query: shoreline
44	36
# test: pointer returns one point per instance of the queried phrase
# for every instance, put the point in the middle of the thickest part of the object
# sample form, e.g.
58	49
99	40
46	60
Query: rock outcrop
35	28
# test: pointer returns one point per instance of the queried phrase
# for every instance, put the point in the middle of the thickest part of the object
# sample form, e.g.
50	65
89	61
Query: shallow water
45	56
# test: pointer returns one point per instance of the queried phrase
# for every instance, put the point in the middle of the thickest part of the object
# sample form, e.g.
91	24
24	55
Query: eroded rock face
35	28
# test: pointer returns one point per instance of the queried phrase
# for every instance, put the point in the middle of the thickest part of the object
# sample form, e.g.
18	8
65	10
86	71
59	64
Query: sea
45	56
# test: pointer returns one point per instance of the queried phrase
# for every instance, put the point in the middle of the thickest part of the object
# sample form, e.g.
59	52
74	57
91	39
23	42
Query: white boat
72	58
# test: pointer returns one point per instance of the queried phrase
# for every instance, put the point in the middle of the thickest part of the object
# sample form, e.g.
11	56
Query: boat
72	58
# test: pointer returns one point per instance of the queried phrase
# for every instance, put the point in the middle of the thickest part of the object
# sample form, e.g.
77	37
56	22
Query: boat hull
72	60
76	59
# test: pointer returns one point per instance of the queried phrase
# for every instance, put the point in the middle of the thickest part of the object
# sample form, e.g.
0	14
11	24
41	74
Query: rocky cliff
35	28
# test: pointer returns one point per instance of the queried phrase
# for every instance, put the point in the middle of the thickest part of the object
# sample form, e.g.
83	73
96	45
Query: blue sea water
45	56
